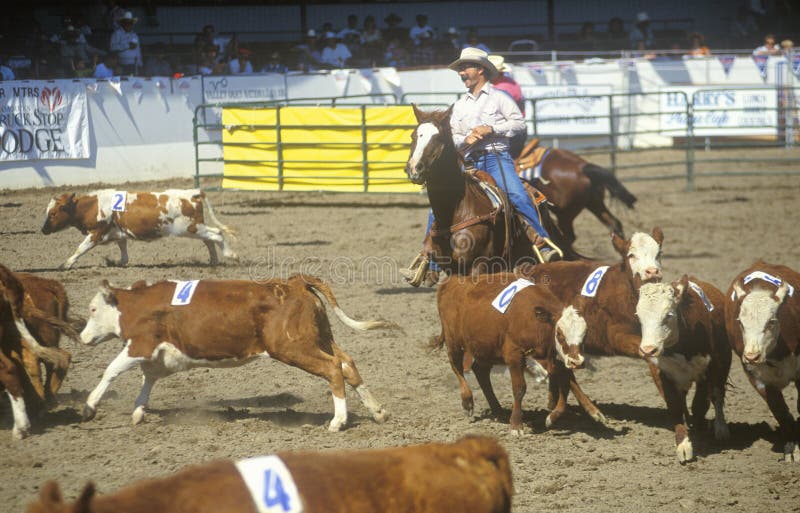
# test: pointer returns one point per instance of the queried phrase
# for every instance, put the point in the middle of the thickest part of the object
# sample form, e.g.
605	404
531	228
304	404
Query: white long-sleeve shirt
489	107
121	43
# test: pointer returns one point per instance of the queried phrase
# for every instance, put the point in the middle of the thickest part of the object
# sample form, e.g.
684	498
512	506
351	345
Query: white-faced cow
110	215
172	326
683	331
762	314
471	475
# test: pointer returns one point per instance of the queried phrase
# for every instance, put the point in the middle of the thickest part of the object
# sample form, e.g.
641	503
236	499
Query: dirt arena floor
356	242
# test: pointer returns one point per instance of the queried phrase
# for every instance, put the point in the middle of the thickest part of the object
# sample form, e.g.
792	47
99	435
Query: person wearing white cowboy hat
641	32
125	43
482	123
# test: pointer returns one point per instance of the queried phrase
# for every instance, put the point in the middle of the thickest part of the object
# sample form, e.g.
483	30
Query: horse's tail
604	177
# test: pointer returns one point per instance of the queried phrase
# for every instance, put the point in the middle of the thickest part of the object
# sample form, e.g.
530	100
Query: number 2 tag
184	290
119	201
592	283
270	484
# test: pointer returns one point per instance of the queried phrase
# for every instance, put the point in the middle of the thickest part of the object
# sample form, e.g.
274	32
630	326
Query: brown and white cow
762	315
110	215
611	292
224	324
534	330
683	332
471	475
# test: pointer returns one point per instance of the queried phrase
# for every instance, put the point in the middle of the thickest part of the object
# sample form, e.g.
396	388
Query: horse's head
428	141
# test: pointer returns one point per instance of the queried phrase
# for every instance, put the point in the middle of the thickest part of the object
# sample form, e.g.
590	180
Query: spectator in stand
616	32
157	65
209	63
587	36
108	67
473	42
335	54
66	25
394	30
420	30
307	53
351	30
505	83
451	44
125	43
787	47
241	65
396	54
72	50
424	53
697	46
6	73
81	69
274	64
642	32
113	14
769	47
371	41
203	40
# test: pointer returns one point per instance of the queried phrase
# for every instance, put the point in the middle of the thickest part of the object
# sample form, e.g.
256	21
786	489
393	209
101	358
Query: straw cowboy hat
642	17
475	56
499	63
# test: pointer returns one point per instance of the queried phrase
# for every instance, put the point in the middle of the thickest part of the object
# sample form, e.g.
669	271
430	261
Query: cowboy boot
543	248
417	271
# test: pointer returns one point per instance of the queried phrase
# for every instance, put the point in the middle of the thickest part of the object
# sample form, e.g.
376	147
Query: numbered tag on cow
592	283
503	299
119	201
270	484
184	290
699	291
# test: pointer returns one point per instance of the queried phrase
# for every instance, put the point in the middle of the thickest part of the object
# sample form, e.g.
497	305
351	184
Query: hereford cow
534	330
472	475
110	215
683	331
762	314
611	292
15	341
174	326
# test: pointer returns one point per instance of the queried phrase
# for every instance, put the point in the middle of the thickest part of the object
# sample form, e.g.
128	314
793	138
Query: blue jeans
512	185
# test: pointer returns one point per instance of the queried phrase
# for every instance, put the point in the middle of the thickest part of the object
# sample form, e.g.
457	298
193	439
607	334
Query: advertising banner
43	121
582	112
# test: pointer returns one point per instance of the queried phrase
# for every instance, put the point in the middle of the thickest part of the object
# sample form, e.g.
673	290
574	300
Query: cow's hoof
791	453
138	415
88	412
19	433
469	412
335	426
549	421
231	255
721	431
685	451
381	416
600	418
517	431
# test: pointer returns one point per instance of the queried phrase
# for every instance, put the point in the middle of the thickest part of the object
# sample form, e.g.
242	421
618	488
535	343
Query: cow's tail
604	177
209	210
316	285
490	450
436	342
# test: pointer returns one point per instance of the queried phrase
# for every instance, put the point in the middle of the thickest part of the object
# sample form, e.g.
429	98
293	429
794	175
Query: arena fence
338	145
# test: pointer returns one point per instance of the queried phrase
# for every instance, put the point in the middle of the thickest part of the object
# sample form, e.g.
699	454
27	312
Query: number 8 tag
592	282
184	290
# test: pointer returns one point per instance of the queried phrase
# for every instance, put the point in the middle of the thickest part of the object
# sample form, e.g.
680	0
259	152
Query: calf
224	324
535	330
611	293
471	475
683	332
110	215
762	315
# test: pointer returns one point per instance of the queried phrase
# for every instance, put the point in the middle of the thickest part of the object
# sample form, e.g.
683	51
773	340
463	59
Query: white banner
43	120
717	111
580	115
244	88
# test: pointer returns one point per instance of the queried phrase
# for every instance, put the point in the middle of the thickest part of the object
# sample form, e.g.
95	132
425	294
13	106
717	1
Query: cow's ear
417	113
620	245
658	235
108	293
542	314
738	290
84	501
51	493
680	286
780	294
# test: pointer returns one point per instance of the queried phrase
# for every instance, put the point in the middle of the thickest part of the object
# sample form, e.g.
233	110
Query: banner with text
584	111
43	120
719	112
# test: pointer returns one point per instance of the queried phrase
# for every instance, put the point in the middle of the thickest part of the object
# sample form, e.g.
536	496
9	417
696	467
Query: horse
469	235
572	184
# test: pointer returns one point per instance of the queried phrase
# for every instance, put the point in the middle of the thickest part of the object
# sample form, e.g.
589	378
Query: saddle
529	163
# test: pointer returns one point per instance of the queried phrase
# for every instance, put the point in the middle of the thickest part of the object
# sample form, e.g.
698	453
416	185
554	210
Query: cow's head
51	500
642	255
103	323
657	311
60	213
569	334
758	320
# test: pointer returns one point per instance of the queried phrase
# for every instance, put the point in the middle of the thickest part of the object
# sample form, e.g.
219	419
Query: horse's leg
601	212
565	221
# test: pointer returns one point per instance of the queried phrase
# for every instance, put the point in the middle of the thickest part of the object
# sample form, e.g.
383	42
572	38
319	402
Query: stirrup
552	246
416	271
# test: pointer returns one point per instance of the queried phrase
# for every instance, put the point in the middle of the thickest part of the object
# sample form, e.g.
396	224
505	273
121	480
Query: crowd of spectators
104	43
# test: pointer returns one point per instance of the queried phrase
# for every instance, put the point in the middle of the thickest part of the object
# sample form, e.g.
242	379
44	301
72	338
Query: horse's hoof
381	416
685	451
88	412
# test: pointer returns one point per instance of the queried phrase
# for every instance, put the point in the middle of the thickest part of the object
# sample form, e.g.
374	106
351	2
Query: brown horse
572	184
468	235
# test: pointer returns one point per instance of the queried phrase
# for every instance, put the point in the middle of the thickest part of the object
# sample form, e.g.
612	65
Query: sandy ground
356	242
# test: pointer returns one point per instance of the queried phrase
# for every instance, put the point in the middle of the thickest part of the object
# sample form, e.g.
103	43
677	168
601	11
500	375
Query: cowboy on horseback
482	122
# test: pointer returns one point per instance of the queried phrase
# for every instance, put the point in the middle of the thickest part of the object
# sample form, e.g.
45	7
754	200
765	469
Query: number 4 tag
184	290
271	485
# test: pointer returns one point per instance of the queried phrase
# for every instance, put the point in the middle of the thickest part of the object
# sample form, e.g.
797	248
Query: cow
762	316
612	292
683	332
170	326
534	331
110	215
15	341
471	475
